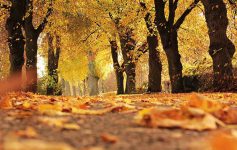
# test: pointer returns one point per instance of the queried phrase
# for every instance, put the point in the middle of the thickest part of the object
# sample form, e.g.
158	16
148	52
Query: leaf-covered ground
145	122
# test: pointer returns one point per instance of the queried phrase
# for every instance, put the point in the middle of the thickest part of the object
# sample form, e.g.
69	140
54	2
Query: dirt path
130	136
24	129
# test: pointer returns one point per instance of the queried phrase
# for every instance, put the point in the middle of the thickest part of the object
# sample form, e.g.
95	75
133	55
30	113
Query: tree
221	48
16	39
53	61
117	67
92	75
155	66
120	19
32	34
168	31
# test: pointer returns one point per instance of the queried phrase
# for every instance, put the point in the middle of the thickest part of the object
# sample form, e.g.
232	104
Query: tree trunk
170	44
32	35
93	79
155	66
221	48
68	88
53	59
31	60
118	69
84	87
63	87
128	45
168	28
74	90
93	85
16	40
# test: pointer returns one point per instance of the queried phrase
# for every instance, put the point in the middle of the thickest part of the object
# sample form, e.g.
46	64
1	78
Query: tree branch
45	20
172	8
185	14
88	36
58	50
29	12
147	18
160	20
141	50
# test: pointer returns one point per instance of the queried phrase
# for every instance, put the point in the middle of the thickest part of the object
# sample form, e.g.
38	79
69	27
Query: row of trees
21	17
166	28
120	23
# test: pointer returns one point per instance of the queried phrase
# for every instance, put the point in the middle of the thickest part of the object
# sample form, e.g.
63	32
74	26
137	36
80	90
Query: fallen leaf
227	115
115	108
191	118
204	103
59	122
71	126
108	138
47	107
29	132
26	105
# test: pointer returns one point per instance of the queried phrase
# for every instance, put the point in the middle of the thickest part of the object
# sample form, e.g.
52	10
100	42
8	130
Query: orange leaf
109	138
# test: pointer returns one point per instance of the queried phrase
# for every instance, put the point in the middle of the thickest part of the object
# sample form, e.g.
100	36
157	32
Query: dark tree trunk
155	66
53	59
168	28
128	46
16	40
31	60
32	35
170	44
221	48
118	69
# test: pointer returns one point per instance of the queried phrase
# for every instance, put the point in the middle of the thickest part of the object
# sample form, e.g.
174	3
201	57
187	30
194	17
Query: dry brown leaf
204	103
115	108
192	119
227	115
59	122
108	138
29	132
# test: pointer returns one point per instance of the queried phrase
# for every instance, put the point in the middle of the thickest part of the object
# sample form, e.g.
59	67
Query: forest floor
129	122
